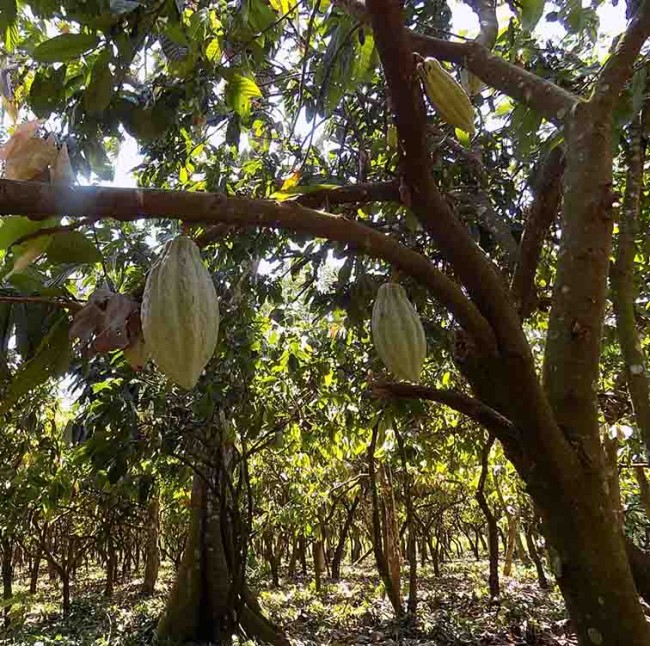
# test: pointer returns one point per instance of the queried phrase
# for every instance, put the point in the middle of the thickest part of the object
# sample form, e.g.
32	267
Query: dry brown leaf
22	133
103	324
31	159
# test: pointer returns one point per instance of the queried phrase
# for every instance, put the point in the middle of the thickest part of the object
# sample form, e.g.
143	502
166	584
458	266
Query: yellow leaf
291	181
281	6
213	50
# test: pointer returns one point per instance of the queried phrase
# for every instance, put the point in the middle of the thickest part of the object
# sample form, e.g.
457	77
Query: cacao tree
376	180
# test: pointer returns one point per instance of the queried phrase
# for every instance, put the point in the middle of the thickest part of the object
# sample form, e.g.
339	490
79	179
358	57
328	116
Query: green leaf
239	92
531	12
47	91
14	227
51	359
64	48
100	89
72	247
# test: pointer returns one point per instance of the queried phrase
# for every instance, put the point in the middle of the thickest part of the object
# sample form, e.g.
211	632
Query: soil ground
453	609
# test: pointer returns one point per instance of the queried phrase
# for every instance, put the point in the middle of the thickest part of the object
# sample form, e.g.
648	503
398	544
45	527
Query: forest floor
452	609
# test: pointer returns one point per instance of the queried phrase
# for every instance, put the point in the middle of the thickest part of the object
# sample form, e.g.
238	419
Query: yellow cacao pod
397	333
447	95
180	313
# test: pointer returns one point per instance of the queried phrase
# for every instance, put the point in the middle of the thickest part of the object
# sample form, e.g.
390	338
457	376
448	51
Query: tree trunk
272	557
293	559
492	528
7	577
357	548
151	552
343	536
624	290
535	557
384	534
644	489
200	605
319	564
510	548
34	570
302	555
411	550
434	549
111	567
481	539
65	582
521	552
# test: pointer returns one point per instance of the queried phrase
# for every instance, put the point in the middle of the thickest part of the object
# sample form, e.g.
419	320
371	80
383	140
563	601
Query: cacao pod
397	333
180	313
447	95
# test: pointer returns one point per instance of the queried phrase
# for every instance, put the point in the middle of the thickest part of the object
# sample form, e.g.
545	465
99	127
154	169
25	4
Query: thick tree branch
620	66
352	194
539	218
623	289
40	201
572	353
474	269
488	24
325	197
548	99
473	408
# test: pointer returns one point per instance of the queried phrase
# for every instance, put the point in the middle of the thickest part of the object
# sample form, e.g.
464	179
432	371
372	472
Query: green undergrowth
453	608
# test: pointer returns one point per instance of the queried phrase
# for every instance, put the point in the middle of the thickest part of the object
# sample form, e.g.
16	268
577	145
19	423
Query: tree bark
152	554
337	558
510	545
111	566
411	549
624	290
65	582
7	576
383	534
35	569
536	559
492	528
291	567
644	489
200	605
319	564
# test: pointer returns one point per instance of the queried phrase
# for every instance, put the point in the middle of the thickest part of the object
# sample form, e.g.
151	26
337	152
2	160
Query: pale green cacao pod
180	313
447	95
397	333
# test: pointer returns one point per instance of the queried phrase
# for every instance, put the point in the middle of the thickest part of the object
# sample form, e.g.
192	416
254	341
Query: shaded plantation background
300	492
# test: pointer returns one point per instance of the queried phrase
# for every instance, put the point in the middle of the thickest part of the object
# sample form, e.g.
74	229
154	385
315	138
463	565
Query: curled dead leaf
105	324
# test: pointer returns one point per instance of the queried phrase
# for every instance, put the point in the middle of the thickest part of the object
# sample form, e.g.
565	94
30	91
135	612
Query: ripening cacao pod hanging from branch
180	313
397	333
447	95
